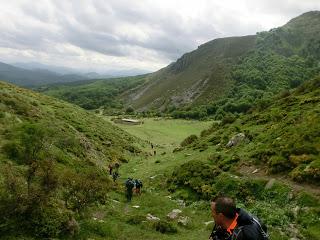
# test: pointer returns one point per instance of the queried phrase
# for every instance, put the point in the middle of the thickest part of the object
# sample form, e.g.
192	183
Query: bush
306	200
190	139
228	118
48	222
196	175
165	227
136	219
85	188
95	227
307	173
279	164
13	150
129	110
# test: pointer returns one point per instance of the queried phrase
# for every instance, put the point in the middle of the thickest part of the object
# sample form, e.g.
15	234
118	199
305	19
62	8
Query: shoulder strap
236	233
265	235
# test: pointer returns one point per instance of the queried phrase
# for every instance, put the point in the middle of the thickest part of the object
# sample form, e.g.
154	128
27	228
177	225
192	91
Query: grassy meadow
168	133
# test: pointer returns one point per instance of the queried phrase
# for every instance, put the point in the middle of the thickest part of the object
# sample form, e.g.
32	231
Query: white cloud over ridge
122	34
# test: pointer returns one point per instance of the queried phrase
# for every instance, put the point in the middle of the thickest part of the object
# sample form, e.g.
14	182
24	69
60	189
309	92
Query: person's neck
230	224
227	223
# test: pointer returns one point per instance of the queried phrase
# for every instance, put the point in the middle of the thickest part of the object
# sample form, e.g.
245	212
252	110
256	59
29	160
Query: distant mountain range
34	77
34	74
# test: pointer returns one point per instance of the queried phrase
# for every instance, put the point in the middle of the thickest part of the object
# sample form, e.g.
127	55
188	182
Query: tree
129	110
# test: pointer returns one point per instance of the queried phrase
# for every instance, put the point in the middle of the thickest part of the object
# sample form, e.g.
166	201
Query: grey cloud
94	25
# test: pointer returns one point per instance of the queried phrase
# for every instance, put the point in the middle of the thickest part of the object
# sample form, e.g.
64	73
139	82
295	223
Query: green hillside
53	162
274	158
283	138
93	94
236	70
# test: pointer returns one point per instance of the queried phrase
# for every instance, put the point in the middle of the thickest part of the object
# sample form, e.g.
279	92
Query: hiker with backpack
129	184
138	186
115	176
232	223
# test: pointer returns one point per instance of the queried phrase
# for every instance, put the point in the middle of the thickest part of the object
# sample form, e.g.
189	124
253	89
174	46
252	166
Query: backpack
138	183
129	184
263	229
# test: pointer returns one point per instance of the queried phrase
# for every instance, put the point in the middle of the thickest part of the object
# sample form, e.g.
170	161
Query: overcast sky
101	35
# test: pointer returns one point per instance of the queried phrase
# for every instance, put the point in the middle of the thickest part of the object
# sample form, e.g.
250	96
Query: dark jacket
248	228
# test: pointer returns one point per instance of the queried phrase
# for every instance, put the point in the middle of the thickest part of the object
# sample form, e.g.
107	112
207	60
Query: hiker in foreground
129	187
233	223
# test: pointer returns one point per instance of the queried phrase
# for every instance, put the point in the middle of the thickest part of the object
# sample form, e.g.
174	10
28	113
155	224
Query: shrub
306	200
187	141
95	227
136	219
48	222
85	188
13	150
279	164
165	227
307	173
215	139
194	175
228	118
129	110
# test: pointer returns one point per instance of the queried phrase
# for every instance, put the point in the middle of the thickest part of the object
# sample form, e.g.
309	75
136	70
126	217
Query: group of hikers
132	186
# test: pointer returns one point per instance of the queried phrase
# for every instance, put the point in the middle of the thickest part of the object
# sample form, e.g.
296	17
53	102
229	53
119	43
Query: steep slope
53	162
197	76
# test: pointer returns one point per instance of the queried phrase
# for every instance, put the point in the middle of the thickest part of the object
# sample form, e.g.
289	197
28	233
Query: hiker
154	152
138	186
115	175
116	166
129	187
233	223
151	145
110	168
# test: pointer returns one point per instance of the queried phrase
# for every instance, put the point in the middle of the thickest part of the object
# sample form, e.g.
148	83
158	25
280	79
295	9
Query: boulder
184	221
152	218
174	214
270	184
235	140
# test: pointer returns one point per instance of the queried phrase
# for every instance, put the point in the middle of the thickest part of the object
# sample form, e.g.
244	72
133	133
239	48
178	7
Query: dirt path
256	172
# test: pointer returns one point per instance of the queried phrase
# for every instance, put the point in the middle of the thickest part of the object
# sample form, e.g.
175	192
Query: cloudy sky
103	35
